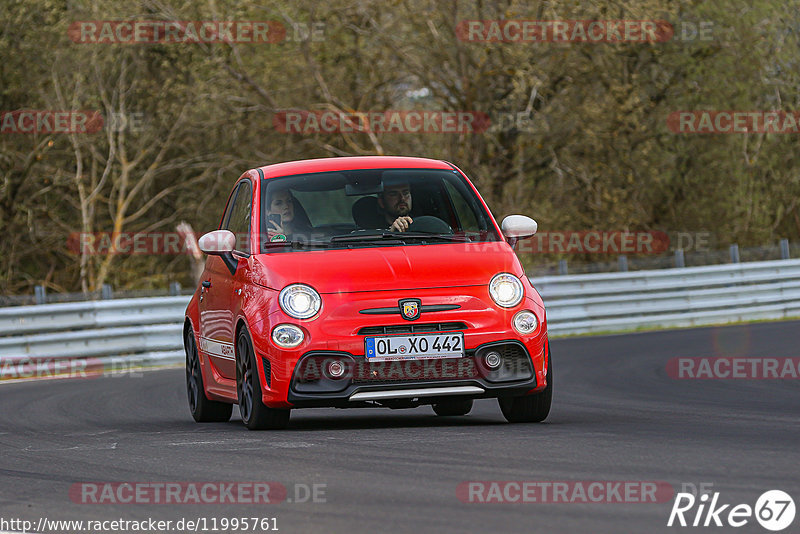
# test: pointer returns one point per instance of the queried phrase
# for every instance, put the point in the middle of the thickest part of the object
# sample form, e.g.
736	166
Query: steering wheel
429	224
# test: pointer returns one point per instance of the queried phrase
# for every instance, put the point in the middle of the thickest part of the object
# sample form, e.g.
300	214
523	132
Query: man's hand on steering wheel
401	224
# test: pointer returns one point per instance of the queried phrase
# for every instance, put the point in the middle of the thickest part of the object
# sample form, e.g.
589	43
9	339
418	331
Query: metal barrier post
40	294
680	261
107	293
734	253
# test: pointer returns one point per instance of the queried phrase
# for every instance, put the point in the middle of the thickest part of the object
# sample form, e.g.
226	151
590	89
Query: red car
364	281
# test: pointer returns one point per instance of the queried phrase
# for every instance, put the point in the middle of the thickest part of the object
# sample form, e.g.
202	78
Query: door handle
206	283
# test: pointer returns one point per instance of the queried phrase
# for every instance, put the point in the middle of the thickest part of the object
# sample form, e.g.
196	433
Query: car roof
350	163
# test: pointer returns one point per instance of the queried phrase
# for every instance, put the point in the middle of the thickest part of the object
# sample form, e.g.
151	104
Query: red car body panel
342	164
350	280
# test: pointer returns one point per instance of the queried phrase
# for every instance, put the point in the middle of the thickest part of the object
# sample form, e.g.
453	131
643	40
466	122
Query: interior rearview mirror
363	187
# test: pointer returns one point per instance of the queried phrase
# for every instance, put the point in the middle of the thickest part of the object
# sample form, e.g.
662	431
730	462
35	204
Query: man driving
395	204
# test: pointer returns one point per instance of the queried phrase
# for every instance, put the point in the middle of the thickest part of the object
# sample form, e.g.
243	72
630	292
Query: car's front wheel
453	407
255	415
530	408
203	410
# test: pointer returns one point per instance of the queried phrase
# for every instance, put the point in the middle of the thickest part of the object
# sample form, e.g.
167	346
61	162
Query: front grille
510	352
415	328
414	370
516	366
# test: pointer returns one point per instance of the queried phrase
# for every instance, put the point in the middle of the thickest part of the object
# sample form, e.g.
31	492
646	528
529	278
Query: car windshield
360	207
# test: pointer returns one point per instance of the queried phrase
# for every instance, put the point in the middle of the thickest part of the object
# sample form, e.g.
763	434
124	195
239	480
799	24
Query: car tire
203	410
530	408
255	415
452	407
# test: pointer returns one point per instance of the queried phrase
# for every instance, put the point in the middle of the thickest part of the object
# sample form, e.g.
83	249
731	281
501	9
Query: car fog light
287	336
335	369
525	322
493	360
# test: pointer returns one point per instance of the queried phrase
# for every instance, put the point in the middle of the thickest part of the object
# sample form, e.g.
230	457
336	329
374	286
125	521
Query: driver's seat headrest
367	214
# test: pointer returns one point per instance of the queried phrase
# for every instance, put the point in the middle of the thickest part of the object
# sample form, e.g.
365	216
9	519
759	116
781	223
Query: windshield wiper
398	236
366	237
445	237
295	244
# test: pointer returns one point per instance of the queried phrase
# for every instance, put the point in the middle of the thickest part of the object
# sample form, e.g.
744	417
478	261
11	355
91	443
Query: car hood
387	268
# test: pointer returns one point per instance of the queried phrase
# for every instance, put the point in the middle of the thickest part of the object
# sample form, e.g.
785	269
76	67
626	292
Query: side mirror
516	227
218	242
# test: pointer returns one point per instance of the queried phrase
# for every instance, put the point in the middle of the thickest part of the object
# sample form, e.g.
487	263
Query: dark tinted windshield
359	207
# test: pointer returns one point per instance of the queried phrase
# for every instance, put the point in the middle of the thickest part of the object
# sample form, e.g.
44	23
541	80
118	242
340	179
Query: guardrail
147	331
110	335
691	296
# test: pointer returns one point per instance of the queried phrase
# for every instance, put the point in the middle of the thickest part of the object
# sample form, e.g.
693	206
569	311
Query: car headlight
506	290
287	336
525	322
300	301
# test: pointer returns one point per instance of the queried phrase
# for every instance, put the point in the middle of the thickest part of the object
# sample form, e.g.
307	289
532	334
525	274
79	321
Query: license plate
417	347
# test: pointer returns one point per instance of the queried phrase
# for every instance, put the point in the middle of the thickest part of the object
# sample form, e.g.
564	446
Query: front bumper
411	381
340	331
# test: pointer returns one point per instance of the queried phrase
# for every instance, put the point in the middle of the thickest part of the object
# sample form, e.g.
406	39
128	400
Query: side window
469	223
238	220
223	225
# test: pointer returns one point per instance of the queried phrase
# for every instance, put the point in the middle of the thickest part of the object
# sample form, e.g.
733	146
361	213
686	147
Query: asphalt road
617	416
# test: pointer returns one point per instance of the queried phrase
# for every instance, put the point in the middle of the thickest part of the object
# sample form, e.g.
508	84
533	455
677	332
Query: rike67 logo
774	510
